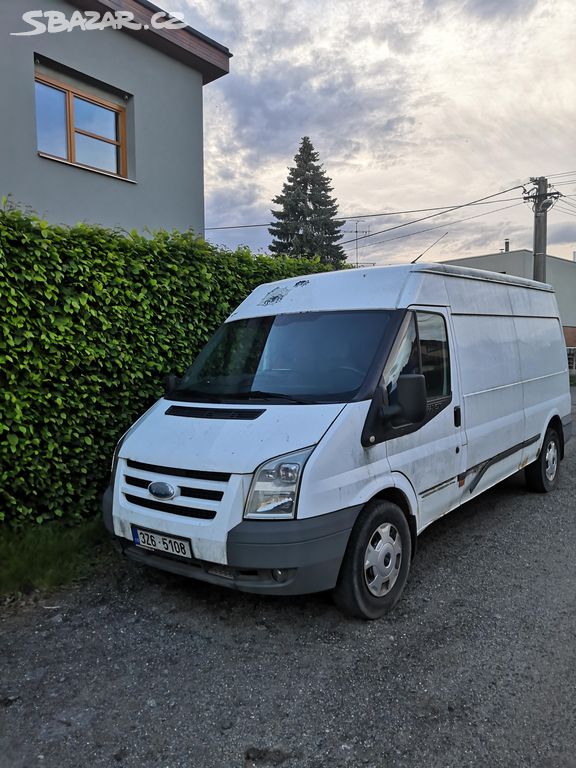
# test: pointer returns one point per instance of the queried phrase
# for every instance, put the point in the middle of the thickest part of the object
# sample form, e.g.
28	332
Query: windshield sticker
276	295
273	297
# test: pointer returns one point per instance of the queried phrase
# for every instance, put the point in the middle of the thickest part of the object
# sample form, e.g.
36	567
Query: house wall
165	143
560	273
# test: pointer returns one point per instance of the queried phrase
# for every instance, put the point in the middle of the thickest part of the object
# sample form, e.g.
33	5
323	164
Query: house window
79	127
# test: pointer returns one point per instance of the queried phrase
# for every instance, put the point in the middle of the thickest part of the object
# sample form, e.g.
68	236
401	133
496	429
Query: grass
48	555
572	379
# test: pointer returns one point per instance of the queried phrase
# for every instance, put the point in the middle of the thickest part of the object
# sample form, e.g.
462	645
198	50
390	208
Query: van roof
446	270
393	287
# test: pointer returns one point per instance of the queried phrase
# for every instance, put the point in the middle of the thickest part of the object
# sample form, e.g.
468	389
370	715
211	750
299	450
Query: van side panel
492	395
427	290
475	297
532	303
544	368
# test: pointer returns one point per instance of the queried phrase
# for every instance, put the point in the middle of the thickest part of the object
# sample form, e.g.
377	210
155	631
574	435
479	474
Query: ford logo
162	490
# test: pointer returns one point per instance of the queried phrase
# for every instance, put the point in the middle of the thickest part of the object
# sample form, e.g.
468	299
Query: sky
410	104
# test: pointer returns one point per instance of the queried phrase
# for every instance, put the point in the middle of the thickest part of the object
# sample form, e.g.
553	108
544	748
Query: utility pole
542	202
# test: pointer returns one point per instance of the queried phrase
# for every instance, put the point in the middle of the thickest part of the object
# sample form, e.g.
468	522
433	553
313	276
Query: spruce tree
306	226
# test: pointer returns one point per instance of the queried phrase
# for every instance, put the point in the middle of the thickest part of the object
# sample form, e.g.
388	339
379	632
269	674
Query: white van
332	418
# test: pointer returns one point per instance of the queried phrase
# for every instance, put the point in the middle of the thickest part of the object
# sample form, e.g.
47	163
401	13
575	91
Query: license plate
160	542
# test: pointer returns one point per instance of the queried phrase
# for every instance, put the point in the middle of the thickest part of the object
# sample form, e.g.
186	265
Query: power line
564	201
571	208
370	215
554	175
565	211
432	215
437	226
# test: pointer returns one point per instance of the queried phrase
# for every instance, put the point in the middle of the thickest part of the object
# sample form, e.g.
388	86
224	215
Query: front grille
198	495
201	493
192	493
218	477
165	506
138	482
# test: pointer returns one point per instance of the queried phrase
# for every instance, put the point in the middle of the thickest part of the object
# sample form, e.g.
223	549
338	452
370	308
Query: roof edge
187	28
186	44
481	274
523	251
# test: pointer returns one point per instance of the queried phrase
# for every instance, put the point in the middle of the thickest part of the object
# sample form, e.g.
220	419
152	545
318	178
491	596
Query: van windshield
294	358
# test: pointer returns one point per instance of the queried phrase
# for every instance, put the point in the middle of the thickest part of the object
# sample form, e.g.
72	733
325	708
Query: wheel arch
556	423
398	497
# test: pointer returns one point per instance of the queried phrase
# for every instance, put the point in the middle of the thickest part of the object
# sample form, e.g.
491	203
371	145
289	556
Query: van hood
234	439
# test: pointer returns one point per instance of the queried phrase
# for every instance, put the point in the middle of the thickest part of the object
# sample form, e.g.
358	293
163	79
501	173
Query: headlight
274	490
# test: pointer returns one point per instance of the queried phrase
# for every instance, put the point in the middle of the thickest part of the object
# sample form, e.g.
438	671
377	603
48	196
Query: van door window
405	358
422	348
434	354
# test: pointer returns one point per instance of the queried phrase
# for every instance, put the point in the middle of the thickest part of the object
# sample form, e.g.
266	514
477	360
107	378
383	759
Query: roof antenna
427	249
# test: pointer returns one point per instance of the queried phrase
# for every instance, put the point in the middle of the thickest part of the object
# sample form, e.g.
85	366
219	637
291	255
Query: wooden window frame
70	92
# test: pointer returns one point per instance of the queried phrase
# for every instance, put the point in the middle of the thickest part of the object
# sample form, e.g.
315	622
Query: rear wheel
377	562
542	475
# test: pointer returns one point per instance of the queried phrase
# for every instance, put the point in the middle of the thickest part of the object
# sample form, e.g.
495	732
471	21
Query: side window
422	347
434	354
404	359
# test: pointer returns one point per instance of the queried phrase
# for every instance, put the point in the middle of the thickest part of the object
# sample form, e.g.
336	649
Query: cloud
411	104
487	10
499	9
272	112
562	233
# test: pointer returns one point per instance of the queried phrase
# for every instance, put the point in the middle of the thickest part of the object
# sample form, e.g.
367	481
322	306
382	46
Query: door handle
457	416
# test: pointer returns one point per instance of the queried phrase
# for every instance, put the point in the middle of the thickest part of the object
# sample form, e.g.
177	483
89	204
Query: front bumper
305	555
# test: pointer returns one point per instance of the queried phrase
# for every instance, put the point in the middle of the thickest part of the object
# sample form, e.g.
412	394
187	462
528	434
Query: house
560	273
103	123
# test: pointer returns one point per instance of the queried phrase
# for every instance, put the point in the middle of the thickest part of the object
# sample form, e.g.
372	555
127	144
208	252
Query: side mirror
411	399
170	384
411	389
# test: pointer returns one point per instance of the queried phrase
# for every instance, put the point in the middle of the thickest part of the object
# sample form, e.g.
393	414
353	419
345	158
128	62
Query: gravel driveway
476	666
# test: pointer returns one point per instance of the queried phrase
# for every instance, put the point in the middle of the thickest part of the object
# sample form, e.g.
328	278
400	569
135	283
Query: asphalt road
475	667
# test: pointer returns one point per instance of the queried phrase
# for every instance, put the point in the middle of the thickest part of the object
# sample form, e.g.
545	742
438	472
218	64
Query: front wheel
376	563
542	475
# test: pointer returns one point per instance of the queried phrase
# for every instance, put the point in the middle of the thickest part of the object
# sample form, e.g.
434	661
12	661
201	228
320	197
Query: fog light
279	575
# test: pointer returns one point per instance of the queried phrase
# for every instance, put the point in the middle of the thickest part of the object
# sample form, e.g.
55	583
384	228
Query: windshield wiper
258	394
197	395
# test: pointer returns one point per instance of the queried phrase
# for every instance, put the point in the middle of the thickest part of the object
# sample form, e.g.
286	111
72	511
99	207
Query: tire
542	475
365	589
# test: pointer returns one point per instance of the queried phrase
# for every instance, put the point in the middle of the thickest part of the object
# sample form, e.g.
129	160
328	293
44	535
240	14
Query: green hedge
92	319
